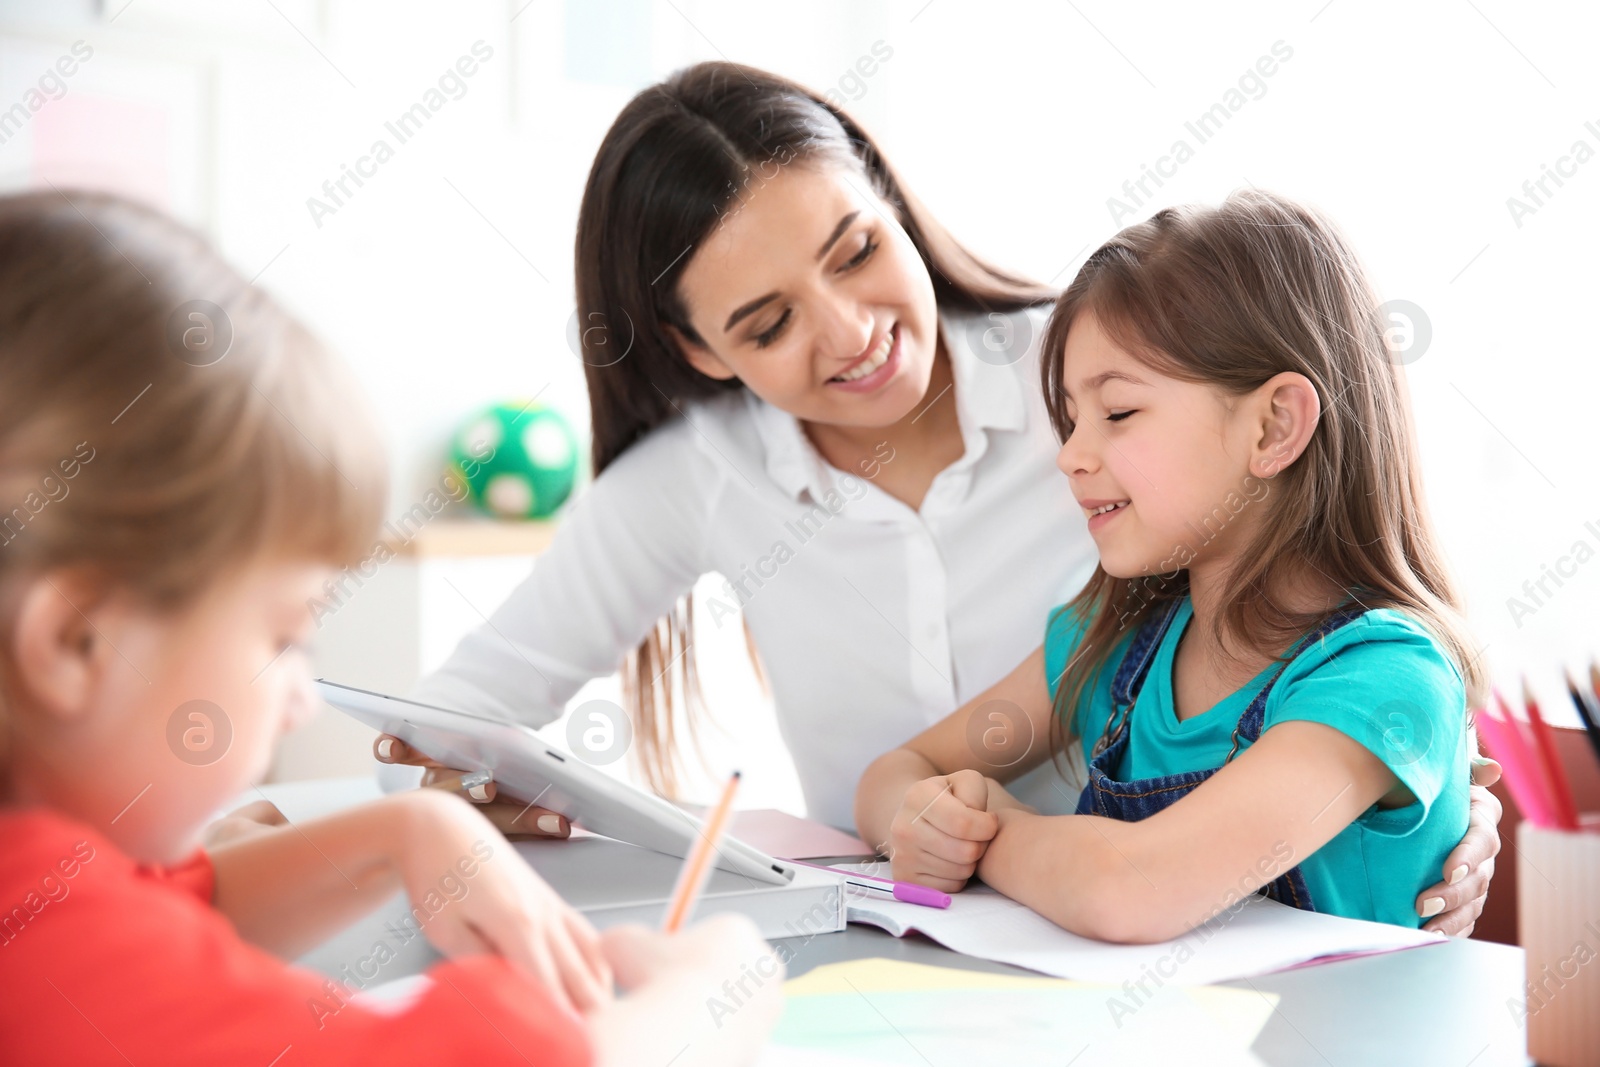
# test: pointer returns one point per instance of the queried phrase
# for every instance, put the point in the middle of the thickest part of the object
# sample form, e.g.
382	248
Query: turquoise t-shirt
1381	679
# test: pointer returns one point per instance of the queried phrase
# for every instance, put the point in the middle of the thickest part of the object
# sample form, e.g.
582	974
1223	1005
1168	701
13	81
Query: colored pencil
1506	745
1555	775
1576	694
697	866
1588	713
1522	755
1589	706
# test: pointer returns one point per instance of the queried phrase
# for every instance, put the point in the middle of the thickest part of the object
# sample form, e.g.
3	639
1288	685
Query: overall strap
1133	669
1141	653
1254	717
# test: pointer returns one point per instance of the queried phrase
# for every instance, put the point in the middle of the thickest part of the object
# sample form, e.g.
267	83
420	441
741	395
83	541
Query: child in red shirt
184	469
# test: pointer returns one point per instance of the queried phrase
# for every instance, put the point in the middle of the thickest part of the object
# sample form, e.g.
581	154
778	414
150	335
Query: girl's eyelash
1118	416
770	334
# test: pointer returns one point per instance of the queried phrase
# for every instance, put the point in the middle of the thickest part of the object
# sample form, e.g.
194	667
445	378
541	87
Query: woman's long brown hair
679	157
1231	296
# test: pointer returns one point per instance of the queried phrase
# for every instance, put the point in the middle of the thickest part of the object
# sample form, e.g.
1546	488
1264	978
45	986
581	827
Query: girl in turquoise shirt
1268	673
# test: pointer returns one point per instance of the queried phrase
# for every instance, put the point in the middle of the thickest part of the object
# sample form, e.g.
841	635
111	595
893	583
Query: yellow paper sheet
896	976
1238	1013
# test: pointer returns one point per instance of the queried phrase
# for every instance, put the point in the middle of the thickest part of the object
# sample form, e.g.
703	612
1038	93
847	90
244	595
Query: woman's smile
872	370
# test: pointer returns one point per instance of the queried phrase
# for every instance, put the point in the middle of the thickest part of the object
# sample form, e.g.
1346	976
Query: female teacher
798	379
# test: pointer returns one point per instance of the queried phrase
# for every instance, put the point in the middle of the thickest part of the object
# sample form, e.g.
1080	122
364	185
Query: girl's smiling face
813	295
1181	465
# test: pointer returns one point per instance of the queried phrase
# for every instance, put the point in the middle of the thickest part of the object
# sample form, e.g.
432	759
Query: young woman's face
1175	456
810	293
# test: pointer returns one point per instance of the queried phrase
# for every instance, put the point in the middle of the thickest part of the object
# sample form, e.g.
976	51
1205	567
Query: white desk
1446	1004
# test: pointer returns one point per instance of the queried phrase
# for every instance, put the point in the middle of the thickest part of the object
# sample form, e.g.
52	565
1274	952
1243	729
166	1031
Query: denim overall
1132	801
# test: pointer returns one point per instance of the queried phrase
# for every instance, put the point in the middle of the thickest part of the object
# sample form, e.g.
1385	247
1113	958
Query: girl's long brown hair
1229	297
681	156
125	458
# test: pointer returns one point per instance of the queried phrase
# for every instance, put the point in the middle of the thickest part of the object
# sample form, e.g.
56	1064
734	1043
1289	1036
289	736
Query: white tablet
527	766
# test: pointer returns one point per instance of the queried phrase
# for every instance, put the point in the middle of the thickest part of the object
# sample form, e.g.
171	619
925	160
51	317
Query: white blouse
873	620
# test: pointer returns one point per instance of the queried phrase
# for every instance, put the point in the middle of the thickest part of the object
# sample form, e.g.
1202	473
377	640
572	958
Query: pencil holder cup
1558	922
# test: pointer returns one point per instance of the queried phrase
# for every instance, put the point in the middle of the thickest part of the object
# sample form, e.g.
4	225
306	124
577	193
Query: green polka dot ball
519	461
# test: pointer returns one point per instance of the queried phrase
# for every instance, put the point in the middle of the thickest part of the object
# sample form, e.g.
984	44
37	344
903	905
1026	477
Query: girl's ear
700	357
55	646
1290	412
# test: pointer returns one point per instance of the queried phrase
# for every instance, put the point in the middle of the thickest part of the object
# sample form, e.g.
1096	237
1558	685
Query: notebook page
1256	937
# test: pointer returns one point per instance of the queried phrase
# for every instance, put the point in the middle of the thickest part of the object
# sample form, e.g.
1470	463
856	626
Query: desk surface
1446	1004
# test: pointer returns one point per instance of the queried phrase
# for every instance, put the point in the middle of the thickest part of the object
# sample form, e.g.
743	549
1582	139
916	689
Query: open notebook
1257	937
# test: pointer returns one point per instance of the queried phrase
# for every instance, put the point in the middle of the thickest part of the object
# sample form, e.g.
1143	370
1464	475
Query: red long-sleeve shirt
105	961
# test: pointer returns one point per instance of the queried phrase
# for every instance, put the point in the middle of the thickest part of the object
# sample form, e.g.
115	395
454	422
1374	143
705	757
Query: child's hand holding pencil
676	973
669	979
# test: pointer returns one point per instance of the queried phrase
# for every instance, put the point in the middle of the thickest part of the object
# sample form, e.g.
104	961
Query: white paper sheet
1257	937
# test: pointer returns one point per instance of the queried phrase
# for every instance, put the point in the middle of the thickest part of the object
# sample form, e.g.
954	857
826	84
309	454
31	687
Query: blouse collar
989	396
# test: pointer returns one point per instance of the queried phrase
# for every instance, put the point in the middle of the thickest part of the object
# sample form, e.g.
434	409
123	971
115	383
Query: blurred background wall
1455	141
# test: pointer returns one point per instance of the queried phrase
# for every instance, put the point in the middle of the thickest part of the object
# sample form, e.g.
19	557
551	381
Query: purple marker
906	892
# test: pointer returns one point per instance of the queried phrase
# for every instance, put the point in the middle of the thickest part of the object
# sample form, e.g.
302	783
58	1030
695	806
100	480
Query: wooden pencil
697	867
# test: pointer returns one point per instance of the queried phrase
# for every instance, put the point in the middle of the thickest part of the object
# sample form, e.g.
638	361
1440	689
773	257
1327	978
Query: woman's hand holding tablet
512	817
